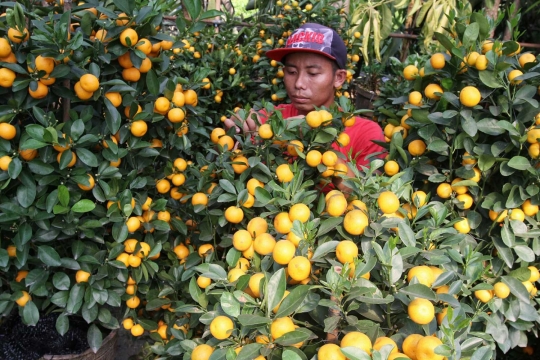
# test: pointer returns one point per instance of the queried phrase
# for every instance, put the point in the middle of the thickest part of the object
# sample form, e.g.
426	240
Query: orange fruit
415	98
82	276
523	59
226	142
264	244
388	202
131	74
221	327
294	147
423	274
240	164
299	268
358	340
391	168
265	131
202	352
382	341
355	222
501	290
410	344
133	302
281	326
481	62
431	90
40	92
138	128
299	212
7	131
25	298
17	36
425	348
89	82
284	173
91	184
115	98
329	158
7	77
417	147
470	96
421	311
254	284
410	72
283	252
336	205
234	214
129	37
314	119
313	158
330	352
437	61
346	251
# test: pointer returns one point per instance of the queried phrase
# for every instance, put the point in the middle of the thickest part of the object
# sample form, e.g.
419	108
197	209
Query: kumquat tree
125	201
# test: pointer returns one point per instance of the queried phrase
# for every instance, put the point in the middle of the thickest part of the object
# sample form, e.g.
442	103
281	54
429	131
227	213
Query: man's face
310	81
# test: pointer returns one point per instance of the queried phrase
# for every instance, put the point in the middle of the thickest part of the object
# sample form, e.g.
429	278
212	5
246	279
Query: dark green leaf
48	256
95	338
292	302
87	157
30	313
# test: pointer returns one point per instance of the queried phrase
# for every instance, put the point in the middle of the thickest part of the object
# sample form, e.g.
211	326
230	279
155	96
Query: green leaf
329	225
48	256
483	353
152	82
227	186
125	6
83	206
75	299
39	167
193	7
292	302
354	353
87	157
15	168
30	313
95	338
419	290
63	195
210	14
406	234
253	320
519	163
26	195
61	281
62	324
233	256
275	289
112	117
517	288
444	40
323	249
293	337
249	351
489	78
230	305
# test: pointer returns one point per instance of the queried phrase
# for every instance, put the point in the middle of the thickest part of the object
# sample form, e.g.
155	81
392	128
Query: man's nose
300	82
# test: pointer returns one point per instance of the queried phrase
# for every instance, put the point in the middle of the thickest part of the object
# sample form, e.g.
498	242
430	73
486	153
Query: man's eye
313	74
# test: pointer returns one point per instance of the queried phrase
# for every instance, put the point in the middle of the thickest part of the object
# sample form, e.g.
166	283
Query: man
314	59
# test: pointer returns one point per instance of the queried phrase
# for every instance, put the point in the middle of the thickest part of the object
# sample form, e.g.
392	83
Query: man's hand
247	126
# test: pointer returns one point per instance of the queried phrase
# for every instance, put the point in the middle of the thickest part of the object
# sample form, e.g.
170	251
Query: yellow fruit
484	295
481	62
283	252
281	326
313	158
431	90
205	250
199	199
357	339
299	212
355	222
517	214
299	268
284	173
283	223
25	297
234	214
336	205
133	302
128	323
470	96
82	276
181	251
388	202
41	91
498	216
7	77
329	158
410	344
265	131
535	274
410	72
421	311
202	352
235	274
346	251
240	164
4	162
137	330
314	119
514	74
264	244
415	98
462	226
382	341
391	168
17	36
529	209
133	224
419	198
425	349
330	352
134	261
242	240
437	61
534	151
129	37
416	147
526	58
221	327
501	290
257	226
423	274
89	83
276	308
533	135
294	147
254	284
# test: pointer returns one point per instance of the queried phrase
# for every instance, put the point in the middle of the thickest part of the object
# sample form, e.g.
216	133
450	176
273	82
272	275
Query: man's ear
340	77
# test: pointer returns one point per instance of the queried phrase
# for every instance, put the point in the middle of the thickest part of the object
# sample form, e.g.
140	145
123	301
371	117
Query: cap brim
279	54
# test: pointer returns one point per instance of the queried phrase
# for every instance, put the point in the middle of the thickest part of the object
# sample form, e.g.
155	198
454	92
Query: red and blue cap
313	38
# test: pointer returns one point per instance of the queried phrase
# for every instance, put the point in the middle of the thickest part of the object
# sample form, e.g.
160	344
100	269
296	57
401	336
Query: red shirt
361	133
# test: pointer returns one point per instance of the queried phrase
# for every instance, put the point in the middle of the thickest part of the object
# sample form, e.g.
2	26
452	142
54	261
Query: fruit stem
332	337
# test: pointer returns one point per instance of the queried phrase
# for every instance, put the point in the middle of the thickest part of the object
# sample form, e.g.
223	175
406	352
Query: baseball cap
313	38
